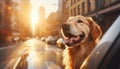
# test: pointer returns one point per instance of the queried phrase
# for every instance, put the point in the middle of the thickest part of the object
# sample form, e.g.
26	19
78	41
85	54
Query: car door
106	54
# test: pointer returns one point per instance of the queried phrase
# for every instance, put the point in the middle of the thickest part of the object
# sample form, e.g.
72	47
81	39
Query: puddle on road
41	60
41	57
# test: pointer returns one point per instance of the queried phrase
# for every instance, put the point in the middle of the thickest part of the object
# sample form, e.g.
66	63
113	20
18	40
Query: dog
81	35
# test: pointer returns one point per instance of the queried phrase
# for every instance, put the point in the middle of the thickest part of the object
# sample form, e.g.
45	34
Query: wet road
33	54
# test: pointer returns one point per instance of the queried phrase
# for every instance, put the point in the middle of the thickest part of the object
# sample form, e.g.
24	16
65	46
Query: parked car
61	43
51	40
43	39
106	54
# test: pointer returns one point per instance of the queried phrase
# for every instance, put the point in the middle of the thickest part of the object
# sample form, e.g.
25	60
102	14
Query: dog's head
77	29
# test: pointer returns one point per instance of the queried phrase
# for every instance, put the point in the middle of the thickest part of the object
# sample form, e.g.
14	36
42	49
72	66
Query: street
31	54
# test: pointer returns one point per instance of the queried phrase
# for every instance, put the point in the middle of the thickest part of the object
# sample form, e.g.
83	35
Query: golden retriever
81	35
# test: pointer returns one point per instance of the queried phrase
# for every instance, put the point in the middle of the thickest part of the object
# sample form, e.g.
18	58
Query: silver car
51	40
61	43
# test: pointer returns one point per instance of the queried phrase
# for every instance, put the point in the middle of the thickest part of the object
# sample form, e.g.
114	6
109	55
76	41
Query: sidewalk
6	44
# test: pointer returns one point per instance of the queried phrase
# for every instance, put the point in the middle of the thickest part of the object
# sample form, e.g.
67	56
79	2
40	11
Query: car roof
106	48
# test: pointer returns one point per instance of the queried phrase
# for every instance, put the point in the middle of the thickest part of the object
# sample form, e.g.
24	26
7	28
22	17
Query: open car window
106	53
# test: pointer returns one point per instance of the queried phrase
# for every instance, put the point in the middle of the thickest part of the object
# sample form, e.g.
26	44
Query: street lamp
9	8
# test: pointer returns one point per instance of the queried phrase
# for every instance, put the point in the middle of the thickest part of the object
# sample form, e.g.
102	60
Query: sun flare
34	16
49	5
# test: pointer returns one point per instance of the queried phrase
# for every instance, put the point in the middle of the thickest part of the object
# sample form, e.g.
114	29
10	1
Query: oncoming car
43	39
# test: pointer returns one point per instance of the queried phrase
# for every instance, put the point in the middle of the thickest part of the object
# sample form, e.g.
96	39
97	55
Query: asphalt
31	54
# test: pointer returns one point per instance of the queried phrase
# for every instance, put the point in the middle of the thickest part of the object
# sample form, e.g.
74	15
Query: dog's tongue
72	40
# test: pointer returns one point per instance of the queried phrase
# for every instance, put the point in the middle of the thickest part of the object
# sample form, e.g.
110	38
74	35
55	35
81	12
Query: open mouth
72	40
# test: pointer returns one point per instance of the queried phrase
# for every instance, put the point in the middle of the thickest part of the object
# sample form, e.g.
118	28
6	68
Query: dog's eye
79	21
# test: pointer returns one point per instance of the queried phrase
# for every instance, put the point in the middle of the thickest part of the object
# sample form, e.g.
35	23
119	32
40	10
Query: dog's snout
65	27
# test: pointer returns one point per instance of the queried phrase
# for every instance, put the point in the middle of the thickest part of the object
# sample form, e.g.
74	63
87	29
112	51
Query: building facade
5	20
52	24
60	10
102	11
65	10
14	19
24	18
40	25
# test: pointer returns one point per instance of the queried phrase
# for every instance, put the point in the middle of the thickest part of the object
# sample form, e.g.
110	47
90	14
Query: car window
106	54
115	62
111	59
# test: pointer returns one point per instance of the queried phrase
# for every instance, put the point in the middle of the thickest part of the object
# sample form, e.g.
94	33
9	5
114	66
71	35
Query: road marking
17	63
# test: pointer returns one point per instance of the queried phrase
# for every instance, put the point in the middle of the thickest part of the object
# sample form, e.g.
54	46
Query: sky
50	6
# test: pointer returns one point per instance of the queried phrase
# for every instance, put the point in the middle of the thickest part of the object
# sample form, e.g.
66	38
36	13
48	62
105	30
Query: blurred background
30	18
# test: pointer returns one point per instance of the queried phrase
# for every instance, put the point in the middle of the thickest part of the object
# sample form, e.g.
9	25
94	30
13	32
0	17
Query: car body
43	39
106	54
61	43
51	40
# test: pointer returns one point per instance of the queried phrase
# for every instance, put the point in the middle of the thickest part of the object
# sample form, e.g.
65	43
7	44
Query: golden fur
76	52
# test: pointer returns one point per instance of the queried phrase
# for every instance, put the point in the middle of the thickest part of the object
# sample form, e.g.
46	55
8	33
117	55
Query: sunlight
33	29
34	60
49	5
34	16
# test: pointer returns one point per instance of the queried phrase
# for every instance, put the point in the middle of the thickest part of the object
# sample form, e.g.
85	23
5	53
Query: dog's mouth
71	40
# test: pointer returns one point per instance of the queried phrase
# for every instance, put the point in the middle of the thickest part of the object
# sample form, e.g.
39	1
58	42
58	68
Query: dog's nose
65	27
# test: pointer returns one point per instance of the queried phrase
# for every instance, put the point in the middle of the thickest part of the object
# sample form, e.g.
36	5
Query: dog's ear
96	31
